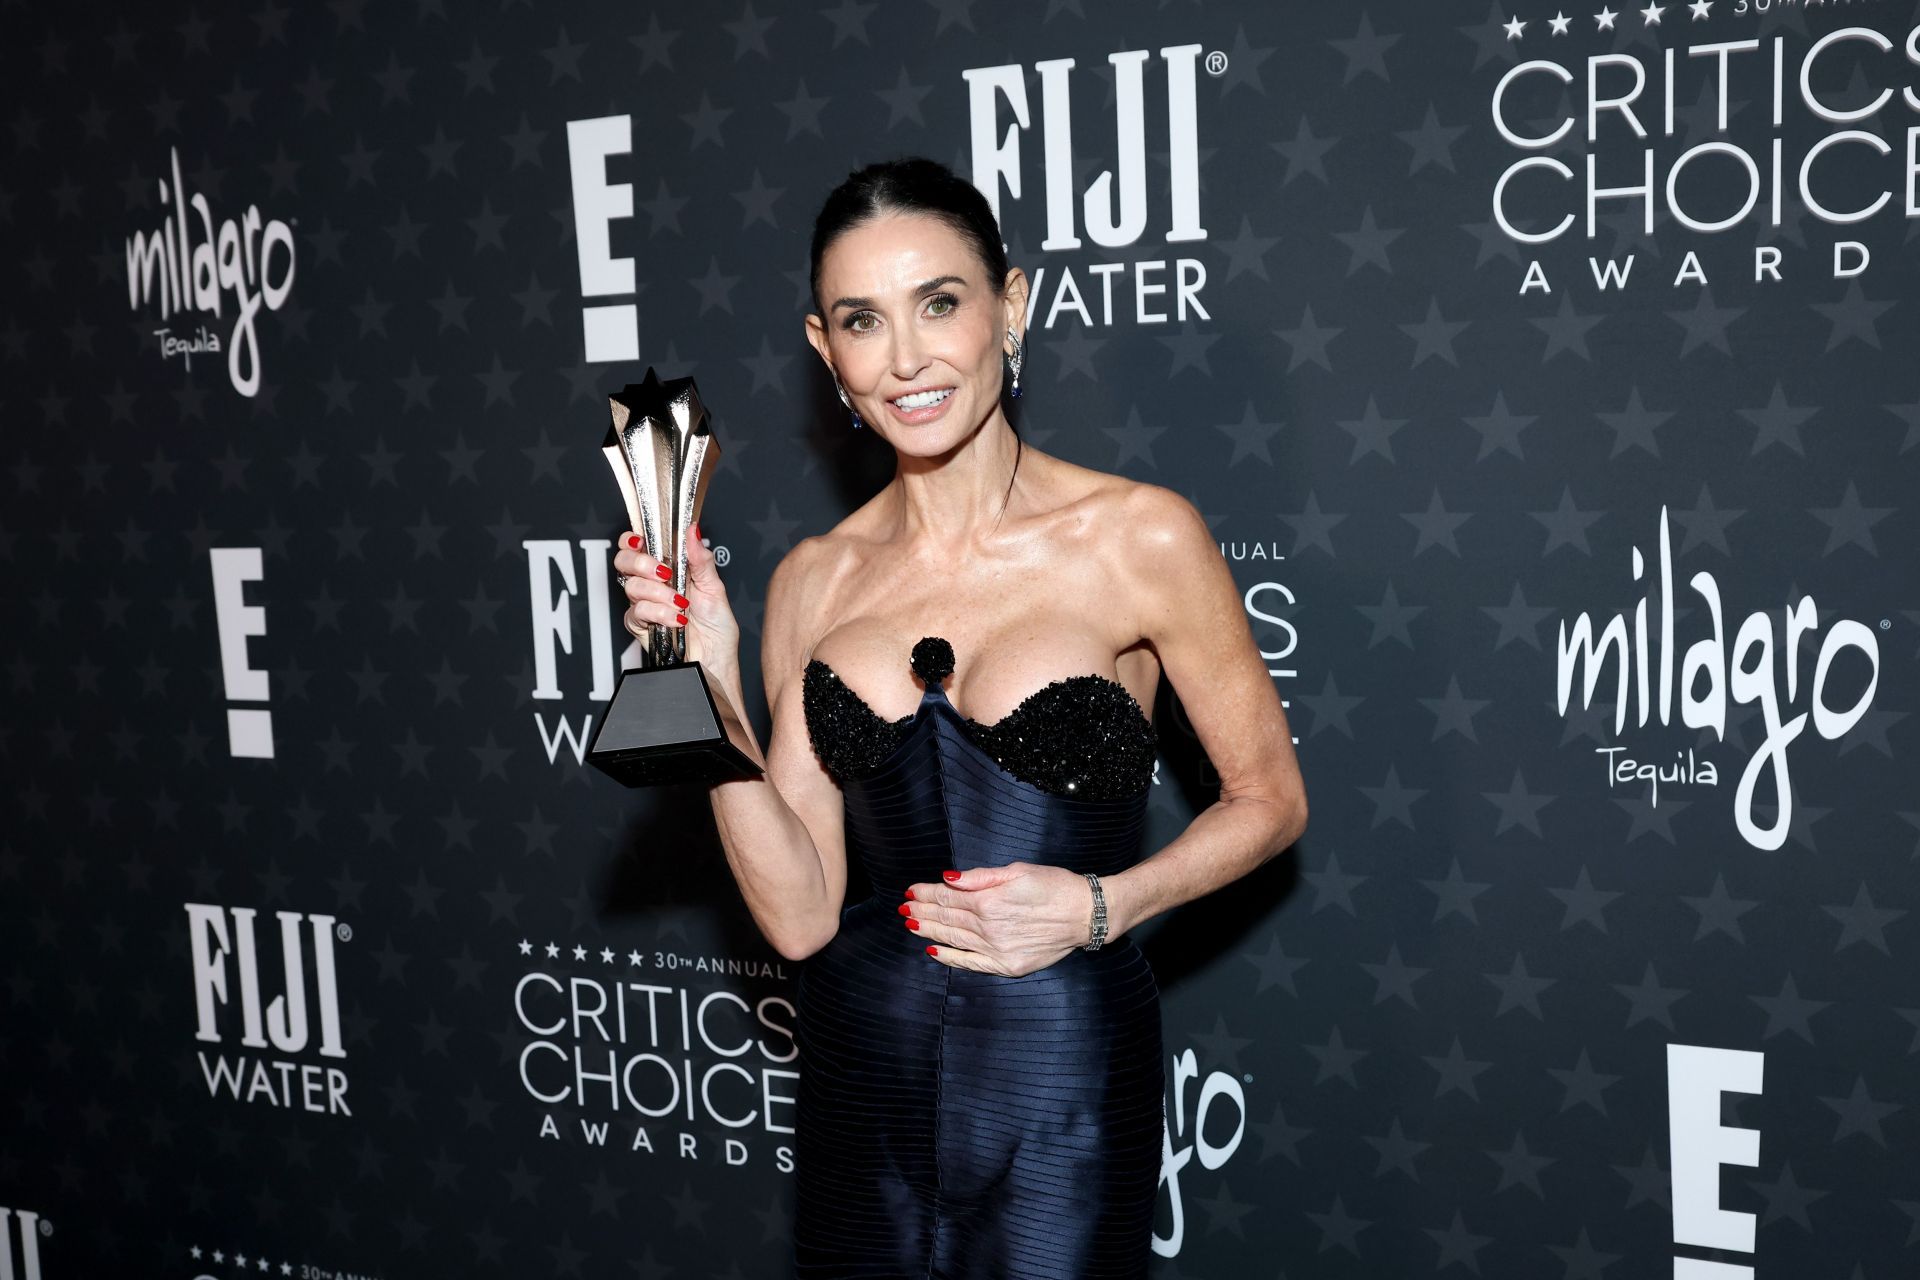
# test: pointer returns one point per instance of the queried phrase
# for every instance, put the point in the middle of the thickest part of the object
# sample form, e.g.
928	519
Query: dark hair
915	184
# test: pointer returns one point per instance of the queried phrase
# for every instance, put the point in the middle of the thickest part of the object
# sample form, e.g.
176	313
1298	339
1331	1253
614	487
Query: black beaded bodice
1083	736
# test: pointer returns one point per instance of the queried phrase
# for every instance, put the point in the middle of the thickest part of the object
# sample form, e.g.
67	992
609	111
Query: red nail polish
910	895
663	573
951	876
696	531
680	619
633	540
679	600
933	951
905	909
913	924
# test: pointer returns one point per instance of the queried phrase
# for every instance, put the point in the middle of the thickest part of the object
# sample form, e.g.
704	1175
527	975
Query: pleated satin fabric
953	1125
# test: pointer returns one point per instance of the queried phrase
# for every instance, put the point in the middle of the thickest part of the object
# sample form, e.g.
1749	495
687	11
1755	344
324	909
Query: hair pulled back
913	184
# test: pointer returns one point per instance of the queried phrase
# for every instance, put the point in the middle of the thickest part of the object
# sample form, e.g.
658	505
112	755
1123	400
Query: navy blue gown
954	1125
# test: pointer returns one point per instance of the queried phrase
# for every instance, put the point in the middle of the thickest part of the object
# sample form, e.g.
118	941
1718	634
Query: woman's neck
946	503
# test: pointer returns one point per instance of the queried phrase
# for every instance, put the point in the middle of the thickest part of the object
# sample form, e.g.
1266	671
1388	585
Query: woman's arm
1189	609
783	832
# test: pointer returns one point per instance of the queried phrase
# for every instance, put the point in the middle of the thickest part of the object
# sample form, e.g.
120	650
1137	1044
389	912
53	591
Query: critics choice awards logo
1784	128
644	1050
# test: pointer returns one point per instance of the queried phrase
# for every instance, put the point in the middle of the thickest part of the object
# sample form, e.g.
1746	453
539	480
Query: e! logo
1700	1144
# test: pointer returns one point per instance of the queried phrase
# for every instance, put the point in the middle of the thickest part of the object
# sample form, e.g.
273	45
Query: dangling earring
1015	359
857	424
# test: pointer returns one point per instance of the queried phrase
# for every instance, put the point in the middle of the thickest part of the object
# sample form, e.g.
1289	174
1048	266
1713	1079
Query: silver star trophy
666	723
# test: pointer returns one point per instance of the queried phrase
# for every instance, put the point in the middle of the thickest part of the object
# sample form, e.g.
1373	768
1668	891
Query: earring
857	424
1015	359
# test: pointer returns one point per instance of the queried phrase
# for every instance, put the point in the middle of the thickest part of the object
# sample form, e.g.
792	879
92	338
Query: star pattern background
1448	1008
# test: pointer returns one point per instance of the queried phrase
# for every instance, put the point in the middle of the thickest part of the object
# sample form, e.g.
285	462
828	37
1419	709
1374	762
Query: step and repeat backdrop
1548	375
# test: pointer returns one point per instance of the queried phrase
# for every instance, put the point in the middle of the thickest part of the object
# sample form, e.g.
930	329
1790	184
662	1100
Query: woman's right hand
713	634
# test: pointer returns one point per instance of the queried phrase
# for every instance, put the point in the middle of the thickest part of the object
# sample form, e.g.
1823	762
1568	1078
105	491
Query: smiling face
914	329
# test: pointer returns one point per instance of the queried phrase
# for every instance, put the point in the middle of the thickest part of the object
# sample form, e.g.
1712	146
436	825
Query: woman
981	1071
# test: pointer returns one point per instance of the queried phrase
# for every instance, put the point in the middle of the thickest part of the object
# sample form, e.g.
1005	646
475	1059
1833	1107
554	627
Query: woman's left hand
1009	920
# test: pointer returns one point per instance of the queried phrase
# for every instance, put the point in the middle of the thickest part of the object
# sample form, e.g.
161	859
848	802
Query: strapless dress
955	1125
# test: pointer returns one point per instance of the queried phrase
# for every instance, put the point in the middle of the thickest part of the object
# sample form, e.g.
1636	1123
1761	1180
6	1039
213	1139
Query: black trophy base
664	727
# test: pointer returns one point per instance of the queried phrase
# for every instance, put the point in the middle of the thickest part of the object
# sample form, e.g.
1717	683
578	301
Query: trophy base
665	727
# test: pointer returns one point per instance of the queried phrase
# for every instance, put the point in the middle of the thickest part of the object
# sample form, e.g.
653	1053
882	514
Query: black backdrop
306	573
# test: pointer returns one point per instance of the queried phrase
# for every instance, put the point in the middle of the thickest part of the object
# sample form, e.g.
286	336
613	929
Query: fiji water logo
192	268
301	1018
1190	1128
1763	669
1120	208
20	1233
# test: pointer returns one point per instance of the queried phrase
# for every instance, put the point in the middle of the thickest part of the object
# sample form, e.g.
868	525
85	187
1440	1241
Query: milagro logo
1186	1120
252	259
1114	212
1753	673
1797	145
224	948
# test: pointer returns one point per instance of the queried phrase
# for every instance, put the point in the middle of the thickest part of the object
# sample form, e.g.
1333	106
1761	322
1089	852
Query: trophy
666	724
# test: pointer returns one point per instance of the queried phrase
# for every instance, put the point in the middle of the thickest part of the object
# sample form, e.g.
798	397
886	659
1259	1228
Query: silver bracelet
1099	930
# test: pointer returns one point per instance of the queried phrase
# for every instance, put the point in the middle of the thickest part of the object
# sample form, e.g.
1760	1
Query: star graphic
1584	1086
1853	318
1329	708
1434	335
1436	525
1705	325
1720	912
1634	426
1584	903
904	99
1368	245
1304	153
1372	433
1705	524
1455	895
1860	1114
1850	523
1247	252
1365	51
1390	618
1335	1059
1392	800
1432	142
1861	921
1454	712
1312	527
1500	428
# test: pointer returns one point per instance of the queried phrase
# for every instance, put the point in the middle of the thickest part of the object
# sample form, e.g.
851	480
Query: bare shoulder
788	620
1156	551
1161	522
801	592
1149	528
